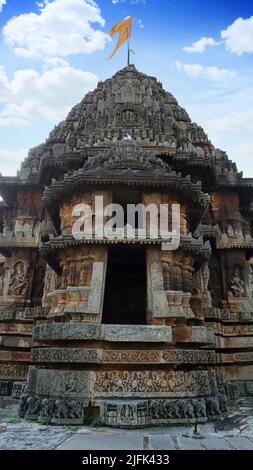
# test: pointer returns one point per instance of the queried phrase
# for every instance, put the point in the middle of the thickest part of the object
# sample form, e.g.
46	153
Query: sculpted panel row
13	371
88	384
15	329
127	414
81	355
15	356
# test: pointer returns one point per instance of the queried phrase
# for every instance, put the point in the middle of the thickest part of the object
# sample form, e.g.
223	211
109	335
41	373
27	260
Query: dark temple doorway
125	287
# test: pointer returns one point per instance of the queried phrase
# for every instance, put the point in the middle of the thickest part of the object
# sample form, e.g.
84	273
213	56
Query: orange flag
123	28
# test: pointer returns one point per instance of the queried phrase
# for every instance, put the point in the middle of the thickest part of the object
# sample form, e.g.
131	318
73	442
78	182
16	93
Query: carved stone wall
129	136
21	285
77	293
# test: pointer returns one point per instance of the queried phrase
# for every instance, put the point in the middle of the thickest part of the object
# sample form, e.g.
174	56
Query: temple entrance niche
126	197
125	288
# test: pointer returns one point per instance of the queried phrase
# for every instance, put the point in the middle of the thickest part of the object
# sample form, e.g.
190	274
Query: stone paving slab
97	441
32	440
216	443
187	443
240	442
31	436
160	442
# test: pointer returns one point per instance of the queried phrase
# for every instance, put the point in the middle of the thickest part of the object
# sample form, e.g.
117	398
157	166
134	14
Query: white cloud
10	160
245	151
201	45
133	2
238	36
49	95
62	28
199	71
2	3
238	121
140	24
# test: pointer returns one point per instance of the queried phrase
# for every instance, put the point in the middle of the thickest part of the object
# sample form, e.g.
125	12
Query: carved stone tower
124	329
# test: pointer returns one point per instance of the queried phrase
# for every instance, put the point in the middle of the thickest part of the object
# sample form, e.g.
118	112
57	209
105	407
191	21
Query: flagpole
128	52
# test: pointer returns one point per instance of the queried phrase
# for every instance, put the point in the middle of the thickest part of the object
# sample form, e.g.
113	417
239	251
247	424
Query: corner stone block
63	383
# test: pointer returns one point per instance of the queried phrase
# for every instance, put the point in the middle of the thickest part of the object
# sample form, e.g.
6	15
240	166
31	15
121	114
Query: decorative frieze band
15	356
121	383
12	315
15	329
13	371
81	355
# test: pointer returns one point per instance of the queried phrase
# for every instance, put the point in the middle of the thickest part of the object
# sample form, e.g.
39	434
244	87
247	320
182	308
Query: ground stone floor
235	432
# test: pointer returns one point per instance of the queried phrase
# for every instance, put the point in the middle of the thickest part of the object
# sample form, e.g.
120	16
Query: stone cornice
234	245
26	315
187	244
241	183
18	243
123	165
10	185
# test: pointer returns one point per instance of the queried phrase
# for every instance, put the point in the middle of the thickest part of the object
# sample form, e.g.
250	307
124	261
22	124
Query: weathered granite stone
234	343
96	289
152	384
5	387
195	334
13	371
67	355
15	329
158	357
128	414
17	389
67	331
13	356
123	356
137	333
63	383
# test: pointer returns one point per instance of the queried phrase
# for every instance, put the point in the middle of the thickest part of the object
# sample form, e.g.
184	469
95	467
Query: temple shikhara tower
120	329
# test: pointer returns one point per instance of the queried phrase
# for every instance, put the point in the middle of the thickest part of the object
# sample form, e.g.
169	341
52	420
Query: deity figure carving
237	288
128	116
201	283
34	165
126	412
71	141
72	273
84	274
18	281
167	274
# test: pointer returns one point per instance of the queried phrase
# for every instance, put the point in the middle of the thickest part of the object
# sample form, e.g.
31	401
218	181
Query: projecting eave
49	250
243	183
11	185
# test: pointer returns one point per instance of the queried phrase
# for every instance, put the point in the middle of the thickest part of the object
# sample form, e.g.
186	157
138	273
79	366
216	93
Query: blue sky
53	52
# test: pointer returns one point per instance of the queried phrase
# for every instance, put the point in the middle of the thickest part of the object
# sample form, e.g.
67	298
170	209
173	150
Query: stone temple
120	329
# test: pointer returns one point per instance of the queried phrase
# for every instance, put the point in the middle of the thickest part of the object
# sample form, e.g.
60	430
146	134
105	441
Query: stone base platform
122	413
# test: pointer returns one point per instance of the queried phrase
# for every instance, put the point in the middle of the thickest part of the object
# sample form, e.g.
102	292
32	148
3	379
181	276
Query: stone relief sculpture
84	273
201	284
237	287
19	279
